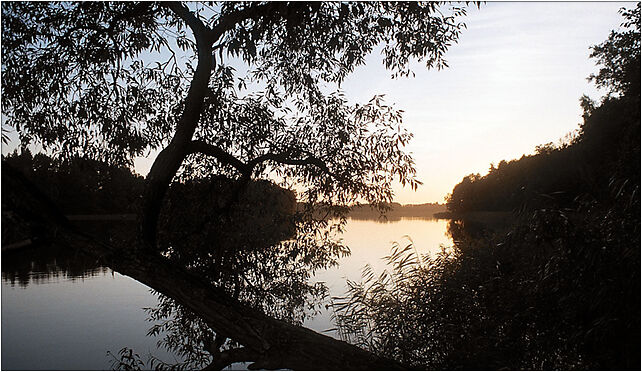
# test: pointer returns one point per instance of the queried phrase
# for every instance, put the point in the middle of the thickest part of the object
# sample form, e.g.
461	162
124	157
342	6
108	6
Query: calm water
61	315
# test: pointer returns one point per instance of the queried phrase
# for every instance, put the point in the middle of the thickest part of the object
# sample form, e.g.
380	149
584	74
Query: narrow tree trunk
170	159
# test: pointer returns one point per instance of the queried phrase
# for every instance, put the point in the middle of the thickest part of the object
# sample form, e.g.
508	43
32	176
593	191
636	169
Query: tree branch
201	32
137	10
221	155
225	358
230	20
198	146
283	158
170	158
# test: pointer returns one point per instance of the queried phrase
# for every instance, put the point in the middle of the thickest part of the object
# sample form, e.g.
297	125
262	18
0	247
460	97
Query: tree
78	79
75	80
619	56
556	288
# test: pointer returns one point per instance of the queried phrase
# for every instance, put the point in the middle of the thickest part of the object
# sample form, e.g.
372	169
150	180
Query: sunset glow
514	82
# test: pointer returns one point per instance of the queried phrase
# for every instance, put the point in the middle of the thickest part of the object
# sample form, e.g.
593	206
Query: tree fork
170	158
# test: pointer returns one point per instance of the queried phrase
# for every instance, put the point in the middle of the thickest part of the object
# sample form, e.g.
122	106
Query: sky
514	82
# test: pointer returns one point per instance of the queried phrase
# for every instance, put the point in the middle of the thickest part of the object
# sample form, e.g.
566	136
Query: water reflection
390	218
42	264
195	343
369	242
63	311
275	285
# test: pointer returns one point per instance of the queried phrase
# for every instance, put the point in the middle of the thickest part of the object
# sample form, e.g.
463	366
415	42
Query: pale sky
514	82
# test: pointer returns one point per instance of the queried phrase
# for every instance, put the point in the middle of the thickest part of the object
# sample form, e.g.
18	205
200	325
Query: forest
595	163
249	187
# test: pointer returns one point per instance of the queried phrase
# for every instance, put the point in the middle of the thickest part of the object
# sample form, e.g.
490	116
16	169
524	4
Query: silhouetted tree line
255	214
557	289
604	154
395	211
75	186
80	185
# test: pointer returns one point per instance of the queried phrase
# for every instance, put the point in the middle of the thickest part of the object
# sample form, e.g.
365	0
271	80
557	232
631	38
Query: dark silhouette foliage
554	293
559	288
80	185
113	81
605	152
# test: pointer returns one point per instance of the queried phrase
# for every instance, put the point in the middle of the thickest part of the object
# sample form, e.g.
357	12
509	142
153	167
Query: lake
67	314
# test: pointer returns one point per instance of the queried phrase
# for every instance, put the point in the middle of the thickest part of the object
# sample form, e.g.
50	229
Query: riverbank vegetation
230	248
560	289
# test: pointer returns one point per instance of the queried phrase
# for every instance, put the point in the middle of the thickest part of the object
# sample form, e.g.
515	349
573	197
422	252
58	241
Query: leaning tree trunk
170	158
268	342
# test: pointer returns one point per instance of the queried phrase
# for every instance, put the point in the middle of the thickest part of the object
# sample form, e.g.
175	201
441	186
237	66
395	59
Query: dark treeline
603	157
80	185
260	211
559	287
76	186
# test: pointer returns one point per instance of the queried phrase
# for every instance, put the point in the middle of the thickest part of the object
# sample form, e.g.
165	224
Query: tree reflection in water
257	245
48	263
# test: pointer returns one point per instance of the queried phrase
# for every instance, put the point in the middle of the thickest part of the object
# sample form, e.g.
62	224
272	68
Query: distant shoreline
397	211
473	215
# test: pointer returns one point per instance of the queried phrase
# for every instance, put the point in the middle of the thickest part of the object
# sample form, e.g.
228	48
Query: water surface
61	311
369	242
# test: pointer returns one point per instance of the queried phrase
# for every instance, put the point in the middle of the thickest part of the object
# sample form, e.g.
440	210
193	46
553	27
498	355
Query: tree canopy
115	80
619	56
229	94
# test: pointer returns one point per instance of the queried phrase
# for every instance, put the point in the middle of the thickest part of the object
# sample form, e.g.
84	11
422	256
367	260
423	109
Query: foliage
262	252
619	57
70	80
78	80
80	185
274	278
511	185
560	289
249	240
606	149
101	97
555	293
126	360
